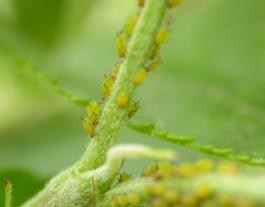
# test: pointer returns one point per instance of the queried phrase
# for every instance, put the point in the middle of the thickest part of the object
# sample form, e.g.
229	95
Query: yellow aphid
106	88
165	170
154	65
225	200
148	190
208	204
134	199
133	109
172	197
186	170
122	201
89	128
154	52
188	200
93	112
124	177
162	35
122	99
141	3
158	202
115	72
173	3
204	166
140	76
203	191
150	170
121	44
229	169
244	202
158	190
131	24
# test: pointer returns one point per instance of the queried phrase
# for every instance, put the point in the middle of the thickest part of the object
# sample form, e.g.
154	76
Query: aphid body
173	3
131	24
122	99
106	88
140	76
162	36
121	44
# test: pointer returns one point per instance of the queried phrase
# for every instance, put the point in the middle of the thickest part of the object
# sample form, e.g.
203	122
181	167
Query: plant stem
113	118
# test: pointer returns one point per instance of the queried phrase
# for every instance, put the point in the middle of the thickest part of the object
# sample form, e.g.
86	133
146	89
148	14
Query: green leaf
192	143
54	84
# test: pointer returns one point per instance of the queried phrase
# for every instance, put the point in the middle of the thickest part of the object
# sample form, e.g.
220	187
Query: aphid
93	112
230	169
162	36
244	202
165	170
122	99
148	190
186	170
133	109
106	88
141	3
150	170
131	24
173	3
115	72
154	52
123	177
122	201
140	76
133	199
225	200
203	191
188	200
158	189
121	44
172	197
209	203
154	65
204	166
89	128
158	202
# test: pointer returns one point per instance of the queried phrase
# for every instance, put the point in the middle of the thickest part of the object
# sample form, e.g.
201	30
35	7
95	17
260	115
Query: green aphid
89	127
106	88
133	109
121	44
93	112
162	36
131	24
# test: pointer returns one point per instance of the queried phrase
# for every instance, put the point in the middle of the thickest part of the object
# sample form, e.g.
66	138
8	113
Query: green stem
113	118
8	193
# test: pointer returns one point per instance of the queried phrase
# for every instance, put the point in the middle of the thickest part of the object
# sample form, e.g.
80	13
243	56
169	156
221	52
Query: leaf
23	63
25	185
192	143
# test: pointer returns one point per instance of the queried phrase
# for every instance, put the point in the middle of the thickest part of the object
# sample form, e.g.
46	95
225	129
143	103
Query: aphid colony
122	41
160	194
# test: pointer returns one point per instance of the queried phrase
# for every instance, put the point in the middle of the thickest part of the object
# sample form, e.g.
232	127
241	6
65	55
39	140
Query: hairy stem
113	118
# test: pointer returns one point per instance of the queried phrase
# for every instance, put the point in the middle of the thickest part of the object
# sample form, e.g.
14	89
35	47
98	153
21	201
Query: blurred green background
211	84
